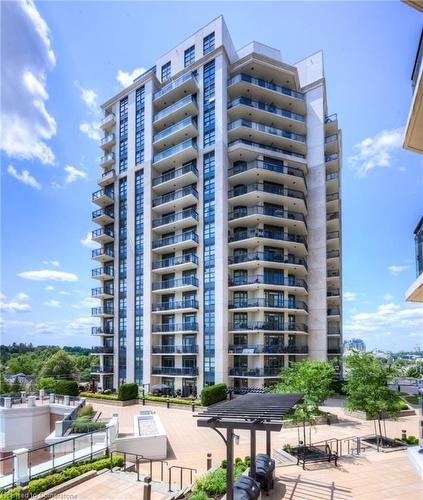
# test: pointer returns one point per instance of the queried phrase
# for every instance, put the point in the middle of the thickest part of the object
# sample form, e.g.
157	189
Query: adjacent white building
219	219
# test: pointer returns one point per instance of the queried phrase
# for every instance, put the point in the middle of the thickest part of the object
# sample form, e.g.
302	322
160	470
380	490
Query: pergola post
229	464
253	453
268	443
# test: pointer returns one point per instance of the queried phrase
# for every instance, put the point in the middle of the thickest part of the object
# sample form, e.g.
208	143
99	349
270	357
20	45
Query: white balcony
176	155
103	216
176	179
108	121
170	136
103	235
107	178
175	90
107	141
176	112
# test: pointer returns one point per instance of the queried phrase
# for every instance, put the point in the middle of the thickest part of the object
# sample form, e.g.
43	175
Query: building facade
354	344
219	215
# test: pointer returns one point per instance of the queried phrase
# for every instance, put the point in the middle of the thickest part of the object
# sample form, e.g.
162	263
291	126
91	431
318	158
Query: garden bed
386	445
363	416
326	419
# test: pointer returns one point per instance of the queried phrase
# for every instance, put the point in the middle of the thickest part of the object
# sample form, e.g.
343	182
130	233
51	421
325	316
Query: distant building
357	344
24	380
415	292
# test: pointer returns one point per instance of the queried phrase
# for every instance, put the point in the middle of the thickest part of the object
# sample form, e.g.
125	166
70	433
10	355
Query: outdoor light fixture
236	438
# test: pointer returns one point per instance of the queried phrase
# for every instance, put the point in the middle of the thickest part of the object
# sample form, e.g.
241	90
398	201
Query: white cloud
22	296
55	185
349	296
86	303
126	79
49	288
25	123
14	307
388	297
88	96
64	293
92	130
54	263
398	269
25	177
52	303
74	174
47	274
88	242
376	151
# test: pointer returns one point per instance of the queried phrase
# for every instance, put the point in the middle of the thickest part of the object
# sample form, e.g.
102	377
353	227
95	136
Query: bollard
403	435
147	488
209	461
168	403
143	400
193	407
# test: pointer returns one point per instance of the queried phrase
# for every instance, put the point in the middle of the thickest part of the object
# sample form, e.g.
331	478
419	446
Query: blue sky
61	59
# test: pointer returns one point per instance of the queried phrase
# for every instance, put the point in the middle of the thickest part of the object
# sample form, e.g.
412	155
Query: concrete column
41	394
51	398
8	402
20	465
31	401
66	400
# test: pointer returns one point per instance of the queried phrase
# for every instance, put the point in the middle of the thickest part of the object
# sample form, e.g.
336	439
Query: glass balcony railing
266	188
255	372
108	138
267	349
174	372
174	174
99	271
332	235
331	118
175	128
333	292
98	330
189	99
107	290
260	279
268	326
175	195
267	233
266	147
102	350
269	211
267	257
170	219
110	118
101	193
178	238
333	176
109	157
265	165
331	138
97	252
332	254
265	84
332	197
266	129
175	84
174	349
102	231
187	326
332	157
101	369
190	143
267	302
98	311
176	283
176	304
265	107
334	311
334	330
102	211
175	261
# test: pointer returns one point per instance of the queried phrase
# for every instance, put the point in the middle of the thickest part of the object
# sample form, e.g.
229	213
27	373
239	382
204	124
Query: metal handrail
181	474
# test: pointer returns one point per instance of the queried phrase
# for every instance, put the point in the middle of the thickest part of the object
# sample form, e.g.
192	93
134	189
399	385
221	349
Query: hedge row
98	396
81	426
158	399
213	394
67	388
12	494
127	392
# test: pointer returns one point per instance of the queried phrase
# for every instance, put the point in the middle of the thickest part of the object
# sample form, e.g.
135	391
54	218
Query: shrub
87	411
171	400
338	386
12	494
67	388
95	395
213	394
127	392
214	483
83	426
199	495
403	405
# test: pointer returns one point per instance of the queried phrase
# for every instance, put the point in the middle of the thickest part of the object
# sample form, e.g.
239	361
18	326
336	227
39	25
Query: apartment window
189	56
166	70
123	135
208	43
208	104
139	125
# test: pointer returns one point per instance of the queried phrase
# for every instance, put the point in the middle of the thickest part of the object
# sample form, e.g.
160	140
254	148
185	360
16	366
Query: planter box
363	416
320	420
60	488
112	402
386	449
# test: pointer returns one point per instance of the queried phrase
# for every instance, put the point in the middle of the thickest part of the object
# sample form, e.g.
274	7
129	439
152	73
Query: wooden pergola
253	412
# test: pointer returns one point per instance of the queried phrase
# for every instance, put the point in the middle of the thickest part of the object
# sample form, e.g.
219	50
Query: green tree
60	365
367	387
4	385
312	378
46	383
414	371
21	363
16	386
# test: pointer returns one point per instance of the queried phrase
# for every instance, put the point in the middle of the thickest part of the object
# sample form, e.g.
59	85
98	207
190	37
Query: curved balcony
245	349
259	132
277	194
102	370
261	279
108	121
264	90
255	372
333	292
103	235
258	213
174	349
102	312
102	331
103	197
267	303
333	274
176	305
102	350
187	174
243	107
181	285
267	326
176	199
334	330
103	216
174	372
290	241
251	147
251	170
176	89
107	141
103	254
103	273
257	257
331	144
180	263
334	311
334	350
181	131
178	242
184	218
176	112
188	326
333	235
102	292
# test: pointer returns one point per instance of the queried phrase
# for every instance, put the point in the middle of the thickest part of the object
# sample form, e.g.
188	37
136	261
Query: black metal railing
102	349
107	290
103	231
267	302
267	257
163	370
98	330
97	252
102	211
170	219
188	326
267	326
174	349
255	372
267	349
267	280
263	210
176	283
102	192
99	271
98	311
176	304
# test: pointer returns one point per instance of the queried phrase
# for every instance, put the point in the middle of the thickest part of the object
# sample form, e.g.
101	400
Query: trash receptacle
265	468
246	489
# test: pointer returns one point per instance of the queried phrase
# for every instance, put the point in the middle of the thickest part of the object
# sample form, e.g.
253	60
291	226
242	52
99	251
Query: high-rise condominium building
219	219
